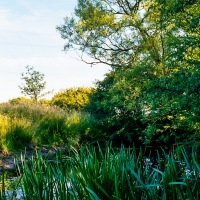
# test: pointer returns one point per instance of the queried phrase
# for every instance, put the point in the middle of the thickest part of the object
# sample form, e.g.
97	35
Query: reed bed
108	173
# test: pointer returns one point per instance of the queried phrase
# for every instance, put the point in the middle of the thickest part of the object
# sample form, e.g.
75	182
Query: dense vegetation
151	94
25	125
72	99
149	97
110	173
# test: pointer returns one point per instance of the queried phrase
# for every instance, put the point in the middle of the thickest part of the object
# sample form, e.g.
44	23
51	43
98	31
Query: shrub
44	102
72	99
3	131
19	134
15	133
52	129
20	100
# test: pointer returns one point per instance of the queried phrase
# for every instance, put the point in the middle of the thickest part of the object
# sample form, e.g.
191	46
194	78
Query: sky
28	36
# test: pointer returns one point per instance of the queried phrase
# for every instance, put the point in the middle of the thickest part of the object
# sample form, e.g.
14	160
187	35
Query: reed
109	173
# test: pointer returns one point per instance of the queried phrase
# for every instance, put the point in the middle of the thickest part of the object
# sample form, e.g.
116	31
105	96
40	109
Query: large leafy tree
152	48
173	98
115	32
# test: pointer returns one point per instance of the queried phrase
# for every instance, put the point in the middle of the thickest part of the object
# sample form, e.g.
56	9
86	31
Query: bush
45	102
71	128
52	129
3	132
20	134
72	99
15	133
20	100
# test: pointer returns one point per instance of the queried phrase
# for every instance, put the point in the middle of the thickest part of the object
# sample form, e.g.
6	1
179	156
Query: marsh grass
14	133
22	125
32	112
109	173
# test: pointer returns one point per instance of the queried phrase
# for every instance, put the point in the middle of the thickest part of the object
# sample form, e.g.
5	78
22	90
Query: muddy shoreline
7	162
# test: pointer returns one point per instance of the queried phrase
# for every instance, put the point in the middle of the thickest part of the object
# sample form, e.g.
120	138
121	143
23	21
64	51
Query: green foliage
28	111
34	84
23	100
72	98
97	173
45	102
153	47
3	131
68	129
25	124
15	133
172	99
173	108
52	129
117	103
20	100
113	32
87	129
19	134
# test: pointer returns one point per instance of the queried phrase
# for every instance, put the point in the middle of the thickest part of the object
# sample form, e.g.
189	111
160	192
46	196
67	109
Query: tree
114	32
34	84
152	47
173	98
119	34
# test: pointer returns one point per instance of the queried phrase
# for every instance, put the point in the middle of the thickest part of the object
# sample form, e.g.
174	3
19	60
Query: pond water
9	178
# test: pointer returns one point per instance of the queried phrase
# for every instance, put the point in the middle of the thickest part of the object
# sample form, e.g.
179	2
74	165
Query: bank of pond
106	173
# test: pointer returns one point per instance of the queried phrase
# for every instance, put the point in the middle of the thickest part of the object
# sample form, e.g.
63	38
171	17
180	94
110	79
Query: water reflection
8	186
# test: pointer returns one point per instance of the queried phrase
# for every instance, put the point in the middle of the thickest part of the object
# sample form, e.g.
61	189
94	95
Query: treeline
69	99
151	95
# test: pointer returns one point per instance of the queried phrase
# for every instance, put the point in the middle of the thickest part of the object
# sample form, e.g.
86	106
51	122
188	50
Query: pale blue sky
28	36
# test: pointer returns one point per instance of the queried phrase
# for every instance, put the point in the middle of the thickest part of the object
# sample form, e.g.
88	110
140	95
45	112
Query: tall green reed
110	173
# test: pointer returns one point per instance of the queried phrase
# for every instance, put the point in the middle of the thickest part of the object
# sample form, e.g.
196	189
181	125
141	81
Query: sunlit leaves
152	91
72	98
